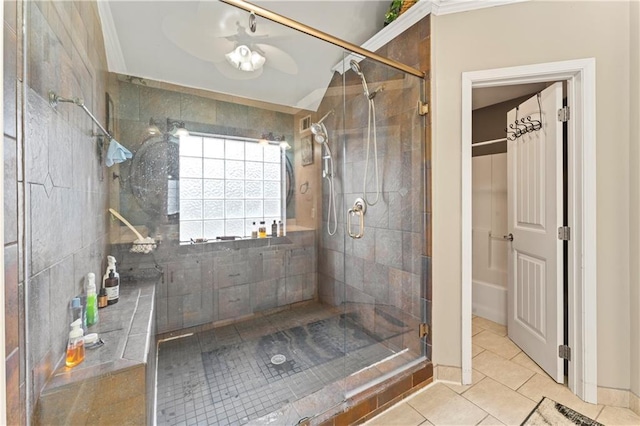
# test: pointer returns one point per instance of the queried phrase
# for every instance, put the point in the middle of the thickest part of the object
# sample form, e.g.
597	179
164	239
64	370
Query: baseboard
489	301
613	397
619	398
634	403
445	373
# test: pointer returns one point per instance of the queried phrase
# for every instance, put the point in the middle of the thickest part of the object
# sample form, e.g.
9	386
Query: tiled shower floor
225	375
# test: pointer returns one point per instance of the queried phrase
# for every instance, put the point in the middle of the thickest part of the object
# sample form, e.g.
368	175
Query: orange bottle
75	347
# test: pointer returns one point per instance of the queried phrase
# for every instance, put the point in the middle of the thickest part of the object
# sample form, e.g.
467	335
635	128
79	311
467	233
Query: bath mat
549	412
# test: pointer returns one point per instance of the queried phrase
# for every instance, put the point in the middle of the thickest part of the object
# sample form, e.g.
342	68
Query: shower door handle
358	209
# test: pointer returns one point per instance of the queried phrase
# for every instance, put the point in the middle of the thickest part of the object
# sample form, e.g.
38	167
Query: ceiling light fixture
245	59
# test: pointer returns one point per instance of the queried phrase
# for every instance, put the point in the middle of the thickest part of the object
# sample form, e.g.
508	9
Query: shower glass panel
383	213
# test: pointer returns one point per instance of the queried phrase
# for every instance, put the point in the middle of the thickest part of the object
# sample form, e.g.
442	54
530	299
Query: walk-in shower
297	323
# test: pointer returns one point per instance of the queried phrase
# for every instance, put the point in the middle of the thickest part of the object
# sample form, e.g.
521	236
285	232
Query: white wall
500	37
489	249
634	217
490	219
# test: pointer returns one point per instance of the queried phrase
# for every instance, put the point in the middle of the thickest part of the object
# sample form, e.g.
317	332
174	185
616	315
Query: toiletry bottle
102	298
77	312
113	288
280	229
254	231
111	265
75	347
262	231
92	300
274	229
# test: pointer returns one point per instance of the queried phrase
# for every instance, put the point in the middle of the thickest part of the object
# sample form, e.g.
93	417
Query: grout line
599	413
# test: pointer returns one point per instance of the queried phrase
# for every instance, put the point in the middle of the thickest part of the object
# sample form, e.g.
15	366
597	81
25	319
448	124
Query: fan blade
278	59
183	30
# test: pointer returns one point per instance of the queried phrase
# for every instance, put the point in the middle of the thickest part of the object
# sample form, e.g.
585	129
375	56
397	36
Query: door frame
580	76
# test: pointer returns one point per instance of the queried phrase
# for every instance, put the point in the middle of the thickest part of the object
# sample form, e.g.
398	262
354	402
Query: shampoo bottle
92	300
262	231
274	229
75	347
112	286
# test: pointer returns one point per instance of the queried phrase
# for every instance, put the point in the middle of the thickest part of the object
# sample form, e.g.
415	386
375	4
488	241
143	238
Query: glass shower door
383	214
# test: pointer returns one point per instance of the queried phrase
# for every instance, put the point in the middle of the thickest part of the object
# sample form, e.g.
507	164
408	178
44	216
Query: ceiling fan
214	30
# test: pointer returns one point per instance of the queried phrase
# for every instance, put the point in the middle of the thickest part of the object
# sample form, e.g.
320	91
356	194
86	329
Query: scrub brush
142	244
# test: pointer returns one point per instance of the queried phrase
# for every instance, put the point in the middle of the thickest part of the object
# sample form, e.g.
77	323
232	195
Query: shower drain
278	359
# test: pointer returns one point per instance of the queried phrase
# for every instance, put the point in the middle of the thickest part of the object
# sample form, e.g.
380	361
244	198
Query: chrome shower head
319	132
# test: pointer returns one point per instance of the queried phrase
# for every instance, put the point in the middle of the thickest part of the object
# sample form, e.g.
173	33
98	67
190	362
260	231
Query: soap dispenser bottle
75	347
111	265
112	286
92	300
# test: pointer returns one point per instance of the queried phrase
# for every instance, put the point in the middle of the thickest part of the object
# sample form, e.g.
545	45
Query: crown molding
113	50
446	7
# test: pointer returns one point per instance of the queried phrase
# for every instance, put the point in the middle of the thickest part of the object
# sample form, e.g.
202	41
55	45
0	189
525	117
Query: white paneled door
535	270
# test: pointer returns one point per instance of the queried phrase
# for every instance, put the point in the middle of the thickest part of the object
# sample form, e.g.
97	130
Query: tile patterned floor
507	385
225	376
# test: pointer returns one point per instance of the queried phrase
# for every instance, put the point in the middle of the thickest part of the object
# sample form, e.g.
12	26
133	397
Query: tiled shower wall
390	266
136	101
13	282
54	206
218	281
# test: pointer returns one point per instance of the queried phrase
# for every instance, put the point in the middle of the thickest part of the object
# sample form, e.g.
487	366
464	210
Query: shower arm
54	99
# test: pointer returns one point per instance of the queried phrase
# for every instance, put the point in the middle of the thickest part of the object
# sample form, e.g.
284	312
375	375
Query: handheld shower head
355	67
319	130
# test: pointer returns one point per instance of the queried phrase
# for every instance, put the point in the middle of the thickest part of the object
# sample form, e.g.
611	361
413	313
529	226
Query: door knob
508	237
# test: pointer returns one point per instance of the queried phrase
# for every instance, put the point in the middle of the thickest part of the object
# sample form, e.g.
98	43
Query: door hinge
564	233
423	330
564	352
563	114
423	108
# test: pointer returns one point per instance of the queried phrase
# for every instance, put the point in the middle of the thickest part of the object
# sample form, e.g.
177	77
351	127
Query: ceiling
184	42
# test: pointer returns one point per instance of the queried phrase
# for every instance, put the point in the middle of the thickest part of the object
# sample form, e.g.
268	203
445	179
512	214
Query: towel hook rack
54	99
116	153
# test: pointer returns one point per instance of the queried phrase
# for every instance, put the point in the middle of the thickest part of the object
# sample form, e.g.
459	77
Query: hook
510	135
516	131
537	125
527	123
518	125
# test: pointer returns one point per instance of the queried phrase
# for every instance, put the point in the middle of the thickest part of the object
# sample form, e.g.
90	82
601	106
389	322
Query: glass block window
226	185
